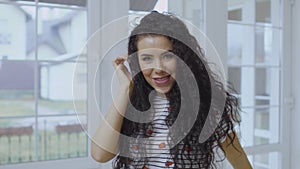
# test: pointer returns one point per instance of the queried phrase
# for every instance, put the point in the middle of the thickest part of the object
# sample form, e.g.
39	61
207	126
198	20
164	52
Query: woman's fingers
119	63
122	70
119	60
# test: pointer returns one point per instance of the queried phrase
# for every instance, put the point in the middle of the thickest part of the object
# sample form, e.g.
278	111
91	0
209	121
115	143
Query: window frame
283	146
78	162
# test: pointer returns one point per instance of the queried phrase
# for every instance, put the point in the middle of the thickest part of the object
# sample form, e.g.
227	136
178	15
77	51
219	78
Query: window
40	43
255	70
5	36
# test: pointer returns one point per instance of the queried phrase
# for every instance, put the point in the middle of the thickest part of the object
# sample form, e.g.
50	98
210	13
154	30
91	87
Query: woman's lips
162	80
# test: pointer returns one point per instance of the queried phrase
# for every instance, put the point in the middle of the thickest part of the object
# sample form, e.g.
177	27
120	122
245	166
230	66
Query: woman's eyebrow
146	54
168	51
165	52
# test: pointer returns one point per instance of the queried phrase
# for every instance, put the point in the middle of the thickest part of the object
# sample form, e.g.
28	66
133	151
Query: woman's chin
162	92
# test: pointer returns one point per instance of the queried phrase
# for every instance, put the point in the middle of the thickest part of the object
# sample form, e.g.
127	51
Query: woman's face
157	62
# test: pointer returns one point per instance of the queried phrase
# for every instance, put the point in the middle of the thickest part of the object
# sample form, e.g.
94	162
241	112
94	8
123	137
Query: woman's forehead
154	42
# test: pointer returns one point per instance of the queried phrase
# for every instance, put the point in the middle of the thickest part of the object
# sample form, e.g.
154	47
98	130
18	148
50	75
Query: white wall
15	22
295	116
101	15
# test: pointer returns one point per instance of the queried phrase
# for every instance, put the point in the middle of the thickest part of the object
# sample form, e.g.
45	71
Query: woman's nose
159	66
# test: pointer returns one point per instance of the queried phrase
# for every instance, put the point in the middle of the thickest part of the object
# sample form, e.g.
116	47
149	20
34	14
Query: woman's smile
162	80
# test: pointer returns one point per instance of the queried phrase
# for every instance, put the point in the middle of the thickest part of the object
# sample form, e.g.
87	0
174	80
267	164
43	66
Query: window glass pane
267	161
16	88
61	137
26	83
235	14
263	11
240	51
56	92
73	3
260	126
266	125
260	140
65	2
194	12
235	9
267	45
262	119
17	40
234	44
267	83
18	2
17	139
18	103
79	88
62	33
234	75
241	10
247	126
268	12
255	11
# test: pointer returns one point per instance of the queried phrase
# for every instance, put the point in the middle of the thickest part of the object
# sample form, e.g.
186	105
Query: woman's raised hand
124	76
103	150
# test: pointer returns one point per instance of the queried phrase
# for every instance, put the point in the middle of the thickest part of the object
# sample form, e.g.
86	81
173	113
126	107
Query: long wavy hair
186	47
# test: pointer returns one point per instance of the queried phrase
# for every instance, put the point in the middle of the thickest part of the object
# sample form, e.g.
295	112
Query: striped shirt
158	145
157	148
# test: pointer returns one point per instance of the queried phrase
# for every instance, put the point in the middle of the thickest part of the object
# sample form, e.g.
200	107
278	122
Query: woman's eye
168	56
146	59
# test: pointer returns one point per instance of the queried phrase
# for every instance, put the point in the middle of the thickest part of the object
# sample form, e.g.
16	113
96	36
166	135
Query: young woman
169	80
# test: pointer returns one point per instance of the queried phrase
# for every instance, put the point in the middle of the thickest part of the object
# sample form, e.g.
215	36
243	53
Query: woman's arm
107	134
235	153
105	143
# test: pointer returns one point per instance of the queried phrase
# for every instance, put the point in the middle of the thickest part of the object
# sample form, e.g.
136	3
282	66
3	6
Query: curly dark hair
186	47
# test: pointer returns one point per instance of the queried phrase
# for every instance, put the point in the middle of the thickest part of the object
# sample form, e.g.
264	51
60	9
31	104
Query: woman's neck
163	95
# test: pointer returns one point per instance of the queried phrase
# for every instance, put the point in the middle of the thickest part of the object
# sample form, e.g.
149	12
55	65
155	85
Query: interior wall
103	17
295	116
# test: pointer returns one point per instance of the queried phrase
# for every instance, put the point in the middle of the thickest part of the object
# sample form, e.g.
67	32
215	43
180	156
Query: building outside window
39	46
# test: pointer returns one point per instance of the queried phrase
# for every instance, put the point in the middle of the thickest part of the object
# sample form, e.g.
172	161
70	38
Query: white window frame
215	27
283	147
286	89
74	163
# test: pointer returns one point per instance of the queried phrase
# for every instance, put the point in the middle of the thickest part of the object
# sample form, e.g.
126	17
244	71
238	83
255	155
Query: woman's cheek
172	67
146	71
